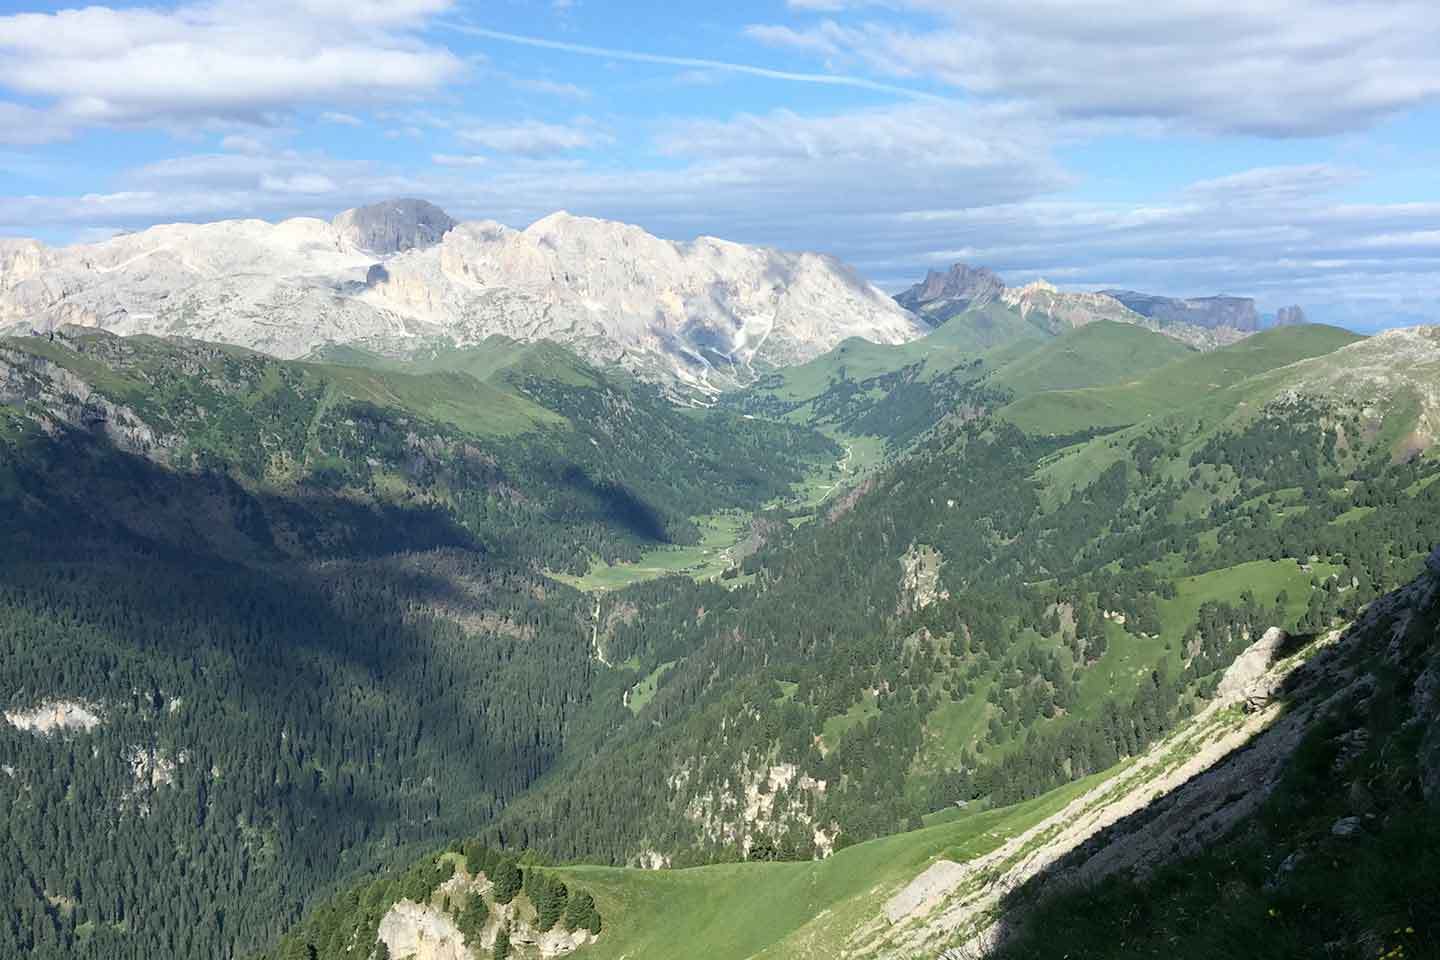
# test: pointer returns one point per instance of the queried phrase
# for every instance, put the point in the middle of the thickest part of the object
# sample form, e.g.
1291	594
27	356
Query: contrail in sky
825	79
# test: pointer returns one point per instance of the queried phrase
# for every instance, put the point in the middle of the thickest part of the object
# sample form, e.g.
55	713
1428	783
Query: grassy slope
1096	354
783	910
962	339
446	395
1185	383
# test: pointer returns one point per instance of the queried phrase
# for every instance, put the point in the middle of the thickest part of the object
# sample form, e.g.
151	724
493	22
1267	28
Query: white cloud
218	62
532	138
312	183
458	160
25	126
239	143
341	119
1274	185
551	88
1275	67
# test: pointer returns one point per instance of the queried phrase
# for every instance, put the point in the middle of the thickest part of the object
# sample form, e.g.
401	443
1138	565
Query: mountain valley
395	586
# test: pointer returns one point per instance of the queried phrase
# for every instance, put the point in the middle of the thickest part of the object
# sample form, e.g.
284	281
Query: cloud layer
1263	67
221	62
898	134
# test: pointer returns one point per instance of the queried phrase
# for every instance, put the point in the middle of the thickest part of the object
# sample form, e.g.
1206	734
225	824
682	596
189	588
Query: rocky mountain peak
959	288
393	226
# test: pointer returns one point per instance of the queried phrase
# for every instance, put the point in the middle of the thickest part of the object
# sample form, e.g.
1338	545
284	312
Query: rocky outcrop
425	932
56	716
70	400
410	929
920	578
20	260
394	225
1245	680
1059	311
960	288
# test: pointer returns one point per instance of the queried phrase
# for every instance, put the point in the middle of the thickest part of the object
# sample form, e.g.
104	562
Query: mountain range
402	277
1200	321
1055	627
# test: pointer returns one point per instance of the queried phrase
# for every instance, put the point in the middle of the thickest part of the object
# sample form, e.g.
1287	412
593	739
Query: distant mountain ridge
1204	322
1236	313
403	275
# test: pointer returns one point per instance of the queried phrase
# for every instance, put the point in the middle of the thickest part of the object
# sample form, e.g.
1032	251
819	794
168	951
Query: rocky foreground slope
402	275
1365	699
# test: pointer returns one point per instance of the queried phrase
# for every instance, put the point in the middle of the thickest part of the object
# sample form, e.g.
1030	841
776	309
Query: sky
1283	149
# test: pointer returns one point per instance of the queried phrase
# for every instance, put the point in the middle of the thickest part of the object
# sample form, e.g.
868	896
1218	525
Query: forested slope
994	615
283	623
264	624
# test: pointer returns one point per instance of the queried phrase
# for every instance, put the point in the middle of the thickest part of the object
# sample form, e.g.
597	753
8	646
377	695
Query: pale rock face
1244	679
151	768
55	716
708	311
960	288
1068	309
705	313
20	260
424	933
920	577
421	932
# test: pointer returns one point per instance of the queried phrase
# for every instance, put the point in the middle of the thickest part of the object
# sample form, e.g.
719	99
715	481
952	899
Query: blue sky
1285	149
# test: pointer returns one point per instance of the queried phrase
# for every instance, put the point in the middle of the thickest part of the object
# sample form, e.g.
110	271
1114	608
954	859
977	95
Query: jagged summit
394	225
959	288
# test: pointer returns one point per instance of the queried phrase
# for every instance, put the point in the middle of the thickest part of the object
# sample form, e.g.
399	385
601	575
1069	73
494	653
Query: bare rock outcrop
1247	678
962	287
411	929
56	716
